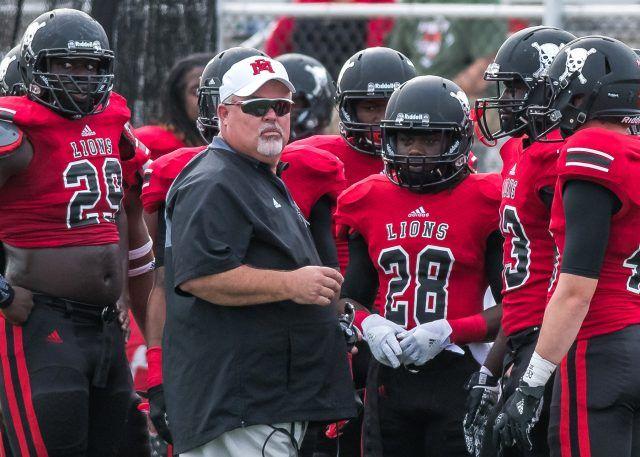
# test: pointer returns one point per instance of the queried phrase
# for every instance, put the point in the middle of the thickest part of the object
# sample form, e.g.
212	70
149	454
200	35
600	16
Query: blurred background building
451	38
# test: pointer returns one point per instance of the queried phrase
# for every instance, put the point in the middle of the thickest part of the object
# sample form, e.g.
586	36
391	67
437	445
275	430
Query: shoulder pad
490	185
313	157
10	137
130	146
357	192
510	148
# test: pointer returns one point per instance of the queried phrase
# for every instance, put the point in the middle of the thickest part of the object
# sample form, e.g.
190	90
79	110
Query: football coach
252	347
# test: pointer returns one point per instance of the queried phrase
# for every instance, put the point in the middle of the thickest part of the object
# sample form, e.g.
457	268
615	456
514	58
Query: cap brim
257	83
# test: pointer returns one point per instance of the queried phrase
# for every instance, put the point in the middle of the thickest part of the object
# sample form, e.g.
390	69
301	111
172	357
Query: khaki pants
250	442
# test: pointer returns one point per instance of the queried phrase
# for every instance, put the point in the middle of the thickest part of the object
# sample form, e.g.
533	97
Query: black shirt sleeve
361	277
588	208
493	264
161	236
320	225
210	232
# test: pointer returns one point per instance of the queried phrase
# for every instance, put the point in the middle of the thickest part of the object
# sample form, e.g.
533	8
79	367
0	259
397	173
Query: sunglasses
259	107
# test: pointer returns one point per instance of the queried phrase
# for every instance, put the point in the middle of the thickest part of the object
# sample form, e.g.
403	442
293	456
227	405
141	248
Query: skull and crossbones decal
576	58
30	34
4	65
546	53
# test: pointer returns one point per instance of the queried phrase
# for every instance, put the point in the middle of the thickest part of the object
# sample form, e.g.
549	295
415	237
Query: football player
10	79
426	234
66	386
590	327
529	175
313	100
177	128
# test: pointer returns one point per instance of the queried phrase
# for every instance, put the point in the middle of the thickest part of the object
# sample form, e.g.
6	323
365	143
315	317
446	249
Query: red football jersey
529	249
357	166
159	176
133	169
136	350
612	160
159	140
70	192
312	173
429	249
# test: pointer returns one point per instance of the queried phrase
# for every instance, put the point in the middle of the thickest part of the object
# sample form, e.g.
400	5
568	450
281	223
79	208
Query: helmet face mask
67	36
209	90
362	136
427	135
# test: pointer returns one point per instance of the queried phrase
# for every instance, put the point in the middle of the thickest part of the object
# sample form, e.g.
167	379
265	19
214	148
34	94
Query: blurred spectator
457	49
177	126
331	41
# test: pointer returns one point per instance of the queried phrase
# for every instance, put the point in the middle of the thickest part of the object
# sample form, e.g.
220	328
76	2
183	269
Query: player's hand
20	309
424	342
519	415
483	396
314	285
123	318
158	412
380	334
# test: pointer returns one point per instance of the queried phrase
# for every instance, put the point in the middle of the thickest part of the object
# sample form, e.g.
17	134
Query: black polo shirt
232	366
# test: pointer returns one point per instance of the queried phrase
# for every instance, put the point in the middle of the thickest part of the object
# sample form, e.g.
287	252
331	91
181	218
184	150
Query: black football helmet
313	100
435	108
516	70
593	77
373	73
209	90
10	79
66	34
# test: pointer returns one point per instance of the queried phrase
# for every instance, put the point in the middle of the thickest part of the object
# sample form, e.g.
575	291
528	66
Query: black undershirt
588	208
161	234
361	278
320	221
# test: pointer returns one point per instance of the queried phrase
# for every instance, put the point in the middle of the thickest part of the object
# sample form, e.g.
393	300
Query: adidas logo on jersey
420	212
276	204
86	131
512	172
54	337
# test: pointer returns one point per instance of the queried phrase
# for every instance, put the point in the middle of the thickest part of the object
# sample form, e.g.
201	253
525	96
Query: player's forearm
564	315
495	358
156	311
242	286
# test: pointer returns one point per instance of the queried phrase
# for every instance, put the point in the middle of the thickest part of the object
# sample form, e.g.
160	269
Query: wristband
146	268
6	293
468	329
539	371
154	366
140	252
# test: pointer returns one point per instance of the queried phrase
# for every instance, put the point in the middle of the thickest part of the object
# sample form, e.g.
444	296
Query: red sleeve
490	185
312	174
349	207
604	157
134	156
153	192
279	41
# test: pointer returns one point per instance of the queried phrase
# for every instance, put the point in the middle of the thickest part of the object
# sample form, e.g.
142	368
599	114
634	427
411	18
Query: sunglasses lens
260	107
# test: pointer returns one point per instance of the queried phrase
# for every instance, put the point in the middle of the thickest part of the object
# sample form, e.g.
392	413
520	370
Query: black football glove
158	412
483	396
519	415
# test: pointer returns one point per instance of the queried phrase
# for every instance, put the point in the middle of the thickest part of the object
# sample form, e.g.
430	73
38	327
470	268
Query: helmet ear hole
577	100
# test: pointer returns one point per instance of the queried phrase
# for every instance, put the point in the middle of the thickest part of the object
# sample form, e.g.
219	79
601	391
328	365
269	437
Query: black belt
76	308
105	315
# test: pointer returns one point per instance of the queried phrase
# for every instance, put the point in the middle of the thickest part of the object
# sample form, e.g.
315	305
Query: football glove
158	412
380	334
483	396
424	342
519	415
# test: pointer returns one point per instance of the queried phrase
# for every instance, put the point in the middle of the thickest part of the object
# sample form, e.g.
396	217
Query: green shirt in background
446	46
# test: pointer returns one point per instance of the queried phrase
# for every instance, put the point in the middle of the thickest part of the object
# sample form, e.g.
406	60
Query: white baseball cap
250	74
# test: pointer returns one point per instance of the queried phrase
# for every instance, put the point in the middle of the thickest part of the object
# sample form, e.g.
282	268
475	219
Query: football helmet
373	73
436	110
209	90
66	34
593	77
313	100
10	79
516	70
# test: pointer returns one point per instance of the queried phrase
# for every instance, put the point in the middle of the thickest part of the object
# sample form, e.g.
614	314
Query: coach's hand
20	309
483	396
380	334
158	412
314	285
519	415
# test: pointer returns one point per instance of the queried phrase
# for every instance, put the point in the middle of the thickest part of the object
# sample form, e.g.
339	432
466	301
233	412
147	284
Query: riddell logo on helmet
635	120
372	87
402	117
261	65
93	45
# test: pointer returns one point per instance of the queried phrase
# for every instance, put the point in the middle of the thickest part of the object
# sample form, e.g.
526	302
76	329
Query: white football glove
380	334
424	342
